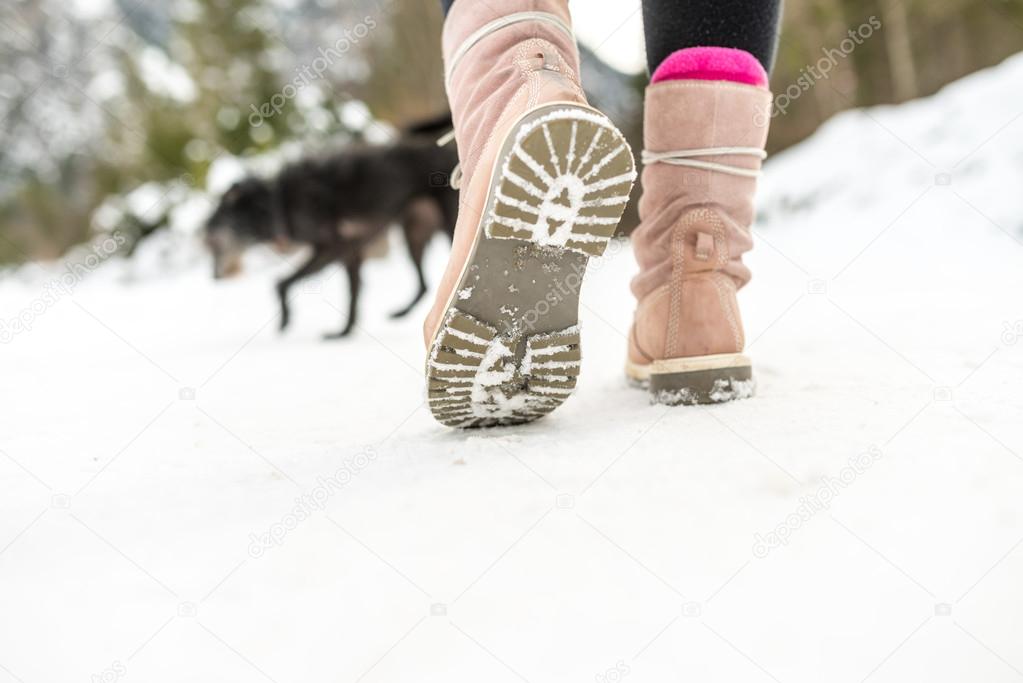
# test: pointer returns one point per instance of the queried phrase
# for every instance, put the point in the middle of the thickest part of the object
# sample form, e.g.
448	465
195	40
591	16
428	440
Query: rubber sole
508	349
698	380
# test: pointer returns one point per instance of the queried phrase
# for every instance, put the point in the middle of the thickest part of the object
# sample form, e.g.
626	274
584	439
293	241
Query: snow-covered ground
185	495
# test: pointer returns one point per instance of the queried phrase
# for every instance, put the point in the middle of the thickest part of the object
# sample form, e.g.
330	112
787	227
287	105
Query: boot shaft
703	143
503	56
697	115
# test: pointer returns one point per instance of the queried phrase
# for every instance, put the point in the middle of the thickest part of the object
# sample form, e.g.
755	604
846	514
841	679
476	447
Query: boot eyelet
548	62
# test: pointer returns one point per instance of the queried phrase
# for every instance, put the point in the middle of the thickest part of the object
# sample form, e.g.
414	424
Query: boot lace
685	157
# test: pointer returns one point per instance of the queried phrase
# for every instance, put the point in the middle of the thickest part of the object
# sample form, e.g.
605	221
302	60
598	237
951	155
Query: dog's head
243	218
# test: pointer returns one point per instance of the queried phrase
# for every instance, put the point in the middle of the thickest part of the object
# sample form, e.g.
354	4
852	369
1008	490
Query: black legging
750	25
669	25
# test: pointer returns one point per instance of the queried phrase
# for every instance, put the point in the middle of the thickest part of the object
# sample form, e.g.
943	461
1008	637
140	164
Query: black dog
341	205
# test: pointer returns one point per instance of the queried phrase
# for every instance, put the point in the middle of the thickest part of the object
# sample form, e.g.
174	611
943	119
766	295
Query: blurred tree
207	94
920	46
50	128
407	78
85	118
900	49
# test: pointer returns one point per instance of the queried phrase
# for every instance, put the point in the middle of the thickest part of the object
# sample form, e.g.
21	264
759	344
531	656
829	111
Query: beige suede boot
704	143
544	181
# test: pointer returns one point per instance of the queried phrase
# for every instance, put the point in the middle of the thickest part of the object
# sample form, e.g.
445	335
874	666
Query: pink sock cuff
711	64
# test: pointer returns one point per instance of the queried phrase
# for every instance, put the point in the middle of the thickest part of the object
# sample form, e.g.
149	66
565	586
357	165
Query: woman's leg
750	25
670	25
543	180
705	126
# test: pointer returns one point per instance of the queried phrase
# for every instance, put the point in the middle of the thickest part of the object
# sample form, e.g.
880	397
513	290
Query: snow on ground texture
187	496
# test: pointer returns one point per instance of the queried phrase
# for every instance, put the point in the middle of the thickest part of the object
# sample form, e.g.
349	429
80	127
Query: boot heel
477	378
564	182
701	379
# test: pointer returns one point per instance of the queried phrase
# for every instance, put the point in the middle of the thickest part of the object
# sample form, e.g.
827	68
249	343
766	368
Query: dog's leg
314	264
417	236
352	267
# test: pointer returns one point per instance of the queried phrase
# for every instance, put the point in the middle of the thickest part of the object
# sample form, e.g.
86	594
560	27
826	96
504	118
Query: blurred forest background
116	112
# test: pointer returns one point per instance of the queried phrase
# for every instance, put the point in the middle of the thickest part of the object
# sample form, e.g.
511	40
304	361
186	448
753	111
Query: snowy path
152	433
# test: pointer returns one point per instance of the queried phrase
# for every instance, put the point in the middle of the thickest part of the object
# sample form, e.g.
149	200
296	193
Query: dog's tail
434	127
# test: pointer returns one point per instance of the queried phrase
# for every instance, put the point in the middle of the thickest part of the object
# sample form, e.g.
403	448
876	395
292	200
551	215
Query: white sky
614	29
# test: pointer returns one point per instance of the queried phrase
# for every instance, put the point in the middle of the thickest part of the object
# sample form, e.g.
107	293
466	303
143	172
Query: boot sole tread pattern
508	349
